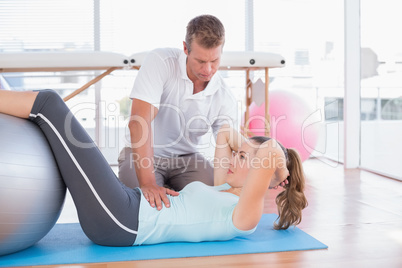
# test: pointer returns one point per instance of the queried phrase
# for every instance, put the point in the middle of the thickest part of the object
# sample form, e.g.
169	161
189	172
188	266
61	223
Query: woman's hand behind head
275	158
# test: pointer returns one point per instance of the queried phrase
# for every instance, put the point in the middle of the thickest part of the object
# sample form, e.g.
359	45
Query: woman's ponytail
292	200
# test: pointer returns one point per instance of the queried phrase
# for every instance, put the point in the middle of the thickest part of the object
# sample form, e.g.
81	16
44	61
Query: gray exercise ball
32	191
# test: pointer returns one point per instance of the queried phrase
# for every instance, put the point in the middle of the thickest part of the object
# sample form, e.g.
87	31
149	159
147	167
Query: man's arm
142	114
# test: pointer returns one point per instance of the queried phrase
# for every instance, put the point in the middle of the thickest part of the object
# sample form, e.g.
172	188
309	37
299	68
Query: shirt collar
213	85
183	67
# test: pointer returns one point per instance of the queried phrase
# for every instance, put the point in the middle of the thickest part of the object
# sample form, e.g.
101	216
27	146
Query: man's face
202	63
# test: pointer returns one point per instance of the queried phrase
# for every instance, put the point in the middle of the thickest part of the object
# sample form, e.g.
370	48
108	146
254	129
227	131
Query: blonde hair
292	200
207	30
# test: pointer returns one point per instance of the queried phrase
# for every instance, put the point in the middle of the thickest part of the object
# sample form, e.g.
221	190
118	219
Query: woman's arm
267	170
227	141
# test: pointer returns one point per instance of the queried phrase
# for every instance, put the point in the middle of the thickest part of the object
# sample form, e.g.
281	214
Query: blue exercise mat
67	244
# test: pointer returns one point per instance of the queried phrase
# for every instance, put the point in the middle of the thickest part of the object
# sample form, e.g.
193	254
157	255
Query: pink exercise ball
288	122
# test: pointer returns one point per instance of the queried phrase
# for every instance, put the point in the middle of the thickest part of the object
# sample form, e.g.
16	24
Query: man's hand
156	194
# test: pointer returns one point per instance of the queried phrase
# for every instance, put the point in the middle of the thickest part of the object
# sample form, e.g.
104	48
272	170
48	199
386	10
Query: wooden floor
356	213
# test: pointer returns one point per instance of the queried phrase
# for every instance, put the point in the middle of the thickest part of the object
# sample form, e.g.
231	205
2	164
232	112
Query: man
177	96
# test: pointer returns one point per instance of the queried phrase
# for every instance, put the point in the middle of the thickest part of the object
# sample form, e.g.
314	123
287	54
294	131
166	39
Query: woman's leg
108	211
17	103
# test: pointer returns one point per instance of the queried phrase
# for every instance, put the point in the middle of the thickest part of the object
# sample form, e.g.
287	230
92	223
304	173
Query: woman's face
240	164
242	161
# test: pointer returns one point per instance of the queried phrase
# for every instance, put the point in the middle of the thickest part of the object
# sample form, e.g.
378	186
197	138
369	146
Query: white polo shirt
183	117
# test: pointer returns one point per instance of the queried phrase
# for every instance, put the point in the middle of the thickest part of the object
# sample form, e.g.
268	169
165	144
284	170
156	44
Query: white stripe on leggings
84	175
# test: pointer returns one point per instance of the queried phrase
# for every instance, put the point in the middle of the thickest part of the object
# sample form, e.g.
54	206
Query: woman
112	214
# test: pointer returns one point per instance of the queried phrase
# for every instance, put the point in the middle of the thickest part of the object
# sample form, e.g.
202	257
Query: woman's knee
51	94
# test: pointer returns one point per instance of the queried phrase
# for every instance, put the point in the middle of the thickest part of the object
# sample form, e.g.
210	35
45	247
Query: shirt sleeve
149	83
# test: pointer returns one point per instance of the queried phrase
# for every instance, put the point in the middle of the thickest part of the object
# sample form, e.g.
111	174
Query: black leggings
107	209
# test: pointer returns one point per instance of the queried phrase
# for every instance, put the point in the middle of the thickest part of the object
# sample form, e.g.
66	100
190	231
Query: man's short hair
206	30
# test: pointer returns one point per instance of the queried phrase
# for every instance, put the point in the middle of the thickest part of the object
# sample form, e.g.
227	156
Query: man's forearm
143	153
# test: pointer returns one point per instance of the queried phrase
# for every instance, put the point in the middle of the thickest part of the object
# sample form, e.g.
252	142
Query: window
120	26
382	83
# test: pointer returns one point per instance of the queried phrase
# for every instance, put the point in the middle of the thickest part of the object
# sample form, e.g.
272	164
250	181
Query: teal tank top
199	213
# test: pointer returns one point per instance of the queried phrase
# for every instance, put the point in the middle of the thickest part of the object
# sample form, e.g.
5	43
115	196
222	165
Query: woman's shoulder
222	187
